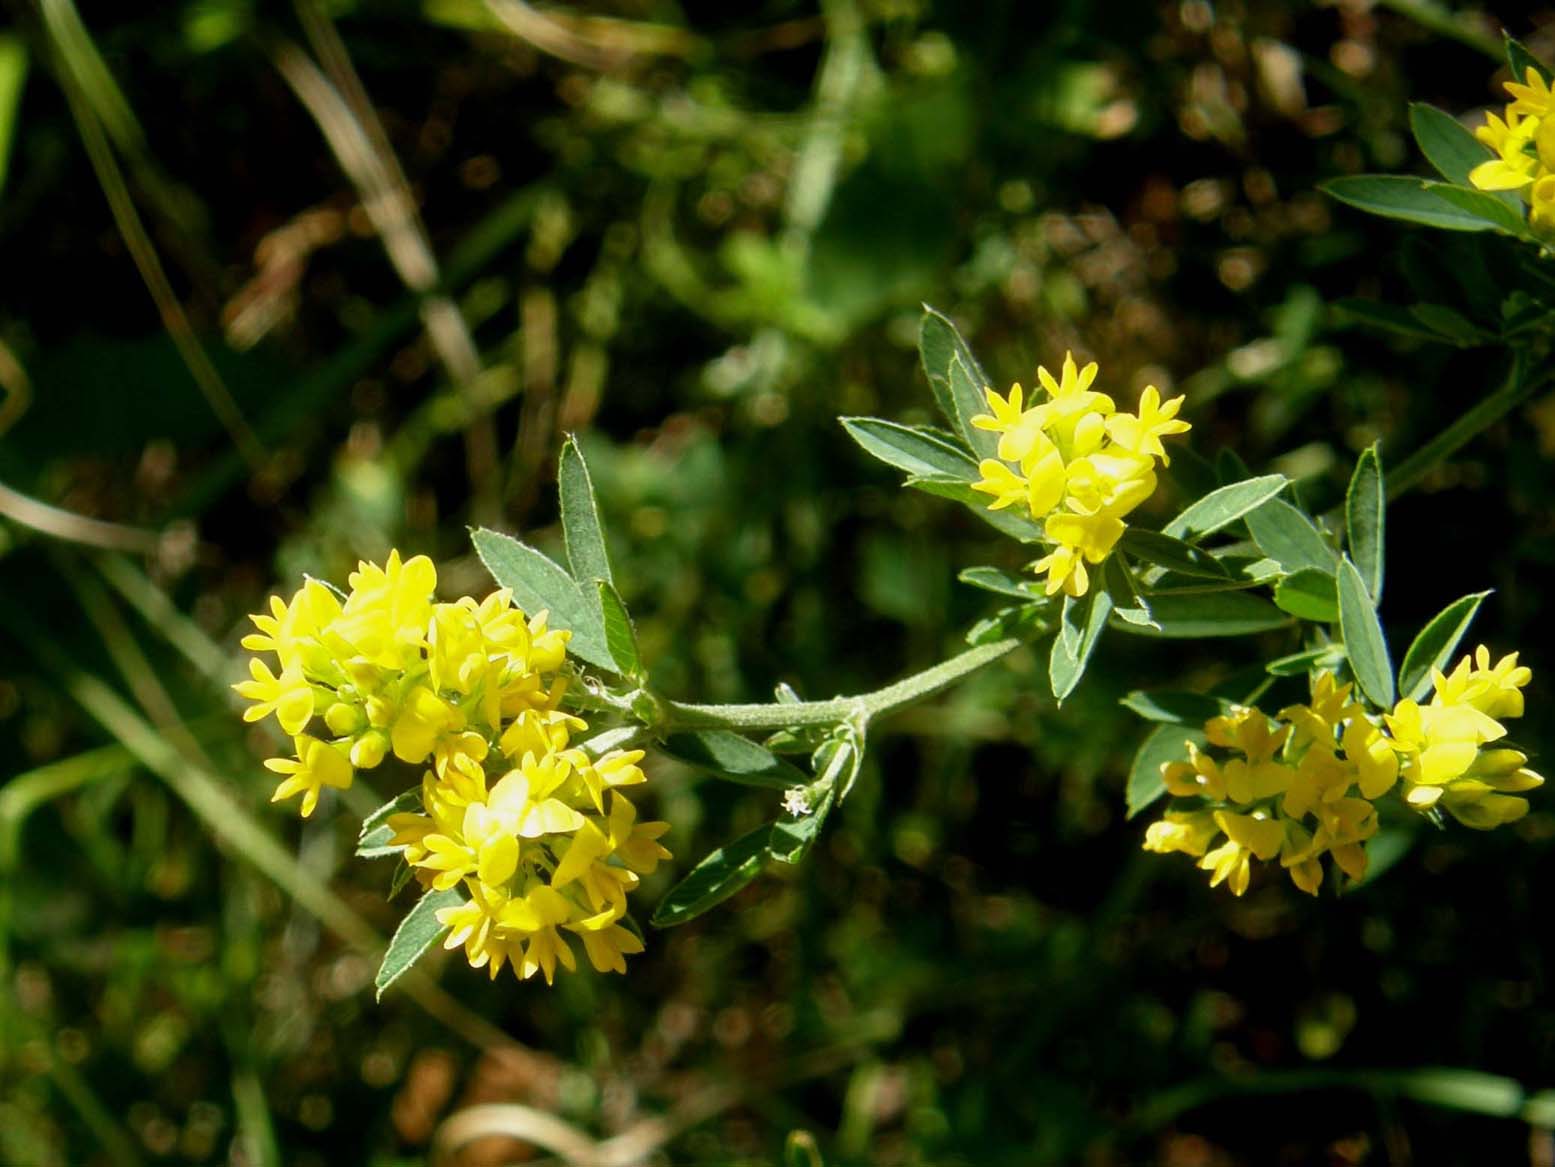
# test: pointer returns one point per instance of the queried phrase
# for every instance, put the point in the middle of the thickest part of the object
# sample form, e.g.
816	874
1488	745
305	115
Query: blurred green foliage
695	234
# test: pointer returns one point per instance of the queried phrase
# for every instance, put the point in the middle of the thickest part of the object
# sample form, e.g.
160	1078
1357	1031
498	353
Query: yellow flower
608	947
1513	140
317	765
1003	413
1186	831
1199	776
1006	486
288	696
1075	462
1533	97
1142	434
1080	539
288	628
454	689
1496	691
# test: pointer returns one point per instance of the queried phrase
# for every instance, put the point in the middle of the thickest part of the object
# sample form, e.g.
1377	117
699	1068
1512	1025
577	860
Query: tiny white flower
796	801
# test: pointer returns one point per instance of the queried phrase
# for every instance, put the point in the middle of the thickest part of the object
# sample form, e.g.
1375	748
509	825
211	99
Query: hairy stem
863	708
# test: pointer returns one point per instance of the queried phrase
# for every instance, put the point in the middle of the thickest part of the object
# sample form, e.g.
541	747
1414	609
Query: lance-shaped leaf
1177	708
620	635
940	346
1299	664
1160	550
539	584
968	390
1492	208
734	758
373	841
1219	508
1127	603
1013	522
417	933
1449	145
1290	538
1520	60
1365	507
1001	583
1078	631
1188	617
915	449
1364	643
1308	594
719	875
1387	316
1166	743
1396	196
581	527
791	839
1435	645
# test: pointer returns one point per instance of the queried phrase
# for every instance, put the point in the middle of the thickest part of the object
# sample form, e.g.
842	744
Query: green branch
1518	387
863	708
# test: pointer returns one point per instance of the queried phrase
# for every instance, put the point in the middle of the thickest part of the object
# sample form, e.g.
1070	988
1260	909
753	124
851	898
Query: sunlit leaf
415	936
717	877
1435	645
1364	643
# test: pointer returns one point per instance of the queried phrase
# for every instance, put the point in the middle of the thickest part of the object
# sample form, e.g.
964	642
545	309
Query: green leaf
1023	621
1364	643
1390	317
404	873
620	636
1395	196
1001	583
1450	325
1299	664
1187	617
734	758
1365	506
1177	708
418	932
1078	631
1520	60
1491	208
1127	603
837	760
1016	524
1166	743
373	840
1173	554
1221	507
966	389
539	584
916	449
719	875
791	839
13	77
1287	536
1434	647
1384	850
940	347
1308	594
582	531
1450	146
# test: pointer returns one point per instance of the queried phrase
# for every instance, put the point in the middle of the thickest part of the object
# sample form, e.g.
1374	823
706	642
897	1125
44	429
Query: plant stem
862	708
1518	387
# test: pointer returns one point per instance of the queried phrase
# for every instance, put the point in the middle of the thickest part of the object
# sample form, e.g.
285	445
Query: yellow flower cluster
1524	142
535	831
1076	463
1305	785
